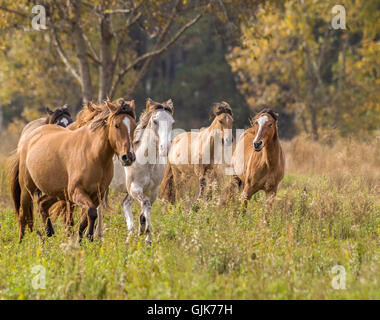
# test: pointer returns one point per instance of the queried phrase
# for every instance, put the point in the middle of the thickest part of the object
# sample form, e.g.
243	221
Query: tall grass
327	214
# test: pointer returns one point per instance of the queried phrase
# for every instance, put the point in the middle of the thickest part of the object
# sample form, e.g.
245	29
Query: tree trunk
1	117
314	125
80	45
107	67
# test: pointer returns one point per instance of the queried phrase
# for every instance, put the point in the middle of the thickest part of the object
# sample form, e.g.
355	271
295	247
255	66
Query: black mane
270	112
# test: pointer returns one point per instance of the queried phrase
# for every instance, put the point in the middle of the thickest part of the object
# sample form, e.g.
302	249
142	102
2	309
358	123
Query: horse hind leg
69	219
26	213
45	202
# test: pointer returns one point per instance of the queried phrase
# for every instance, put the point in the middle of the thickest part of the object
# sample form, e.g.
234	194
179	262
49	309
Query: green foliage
291	58
195	74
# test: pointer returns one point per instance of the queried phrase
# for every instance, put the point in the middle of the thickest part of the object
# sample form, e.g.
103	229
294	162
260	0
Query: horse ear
148	103
111	107
48	111
132	105
276	114
65	107
90	106
169	103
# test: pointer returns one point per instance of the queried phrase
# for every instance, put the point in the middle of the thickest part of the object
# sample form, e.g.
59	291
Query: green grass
212	253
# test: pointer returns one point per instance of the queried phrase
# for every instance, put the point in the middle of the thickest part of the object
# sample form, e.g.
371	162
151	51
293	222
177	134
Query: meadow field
327	214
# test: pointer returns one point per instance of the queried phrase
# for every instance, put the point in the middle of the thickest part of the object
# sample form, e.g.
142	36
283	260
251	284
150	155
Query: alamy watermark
338	282
339	20
38	277
39	20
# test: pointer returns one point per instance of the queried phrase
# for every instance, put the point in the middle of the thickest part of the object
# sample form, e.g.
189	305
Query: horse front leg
89	212
270	195
100	212
248	191
145	222
127	209
202	187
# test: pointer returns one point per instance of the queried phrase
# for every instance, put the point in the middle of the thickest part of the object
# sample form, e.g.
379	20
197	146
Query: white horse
142	179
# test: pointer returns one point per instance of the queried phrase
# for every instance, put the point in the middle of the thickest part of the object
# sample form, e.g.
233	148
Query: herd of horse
69	163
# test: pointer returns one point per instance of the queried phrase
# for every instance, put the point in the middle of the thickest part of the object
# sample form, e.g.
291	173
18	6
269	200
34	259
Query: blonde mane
145	116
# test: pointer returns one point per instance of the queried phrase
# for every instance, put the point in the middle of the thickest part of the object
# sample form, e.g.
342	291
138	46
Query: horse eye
271	125
220	121
117	126
155	122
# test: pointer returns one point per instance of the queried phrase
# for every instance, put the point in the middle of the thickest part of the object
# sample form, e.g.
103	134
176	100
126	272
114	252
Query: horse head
223	121
157	121
265	124
60	116
121	123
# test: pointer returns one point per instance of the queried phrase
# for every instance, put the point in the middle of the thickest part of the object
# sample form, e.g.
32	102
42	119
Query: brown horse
198	153
60	116
74	166
258	160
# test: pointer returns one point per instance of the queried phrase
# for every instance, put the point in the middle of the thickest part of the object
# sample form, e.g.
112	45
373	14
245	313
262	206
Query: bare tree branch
22	14
117	11
93	54
64	57
154	52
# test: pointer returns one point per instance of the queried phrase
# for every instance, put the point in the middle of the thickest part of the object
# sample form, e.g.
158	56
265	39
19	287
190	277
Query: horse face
162	124
265	130
120	136
224	123
59	116
63	120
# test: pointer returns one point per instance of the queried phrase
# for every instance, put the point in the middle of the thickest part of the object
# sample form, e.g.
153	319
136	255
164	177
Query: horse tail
58	209
167	186
13	170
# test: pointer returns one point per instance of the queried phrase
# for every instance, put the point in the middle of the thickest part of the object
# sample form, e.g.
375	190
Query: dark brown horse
258	159
73	166
60	116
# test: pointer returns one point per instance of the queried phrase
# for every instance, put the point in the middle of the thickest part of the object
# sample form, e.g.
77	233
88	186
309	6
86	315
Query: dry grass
340	159
327	214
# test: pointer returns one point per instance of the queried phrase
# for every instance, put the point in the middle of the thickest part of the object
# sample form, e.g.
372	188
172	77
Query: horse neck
147	141
271	150
100	145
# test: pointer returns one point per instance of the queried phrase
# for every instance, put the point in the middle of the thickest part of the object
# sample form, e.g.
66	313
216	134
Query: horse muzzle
228	141
127	160
258	146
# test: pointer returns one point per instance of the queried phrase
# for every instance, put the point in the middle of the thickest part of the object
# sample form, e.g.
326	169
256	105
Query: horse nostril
133	157
257	144
124	157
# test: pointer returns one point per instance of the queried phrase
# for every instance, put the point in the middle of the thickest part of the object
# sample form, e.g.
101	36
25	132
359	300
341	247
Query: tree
97	40
320	74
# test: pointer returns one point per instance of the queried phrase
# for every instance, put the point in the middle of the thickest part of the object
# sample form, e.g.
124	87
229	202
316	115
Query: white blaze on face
64	121
127	123
260	121
165	123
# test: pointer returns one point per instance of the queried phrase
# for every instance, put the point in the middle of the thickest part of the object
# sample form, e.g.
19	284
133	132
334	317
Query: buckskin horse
258	160
198	153
74	166
142	179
